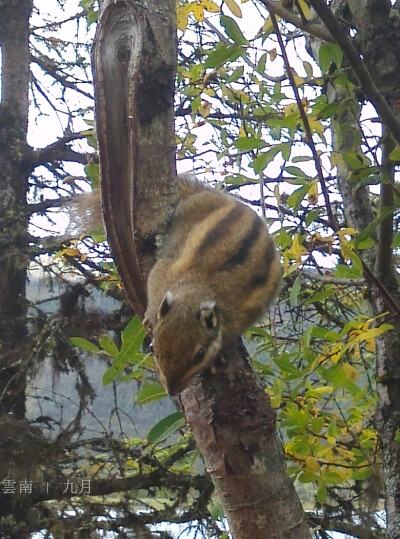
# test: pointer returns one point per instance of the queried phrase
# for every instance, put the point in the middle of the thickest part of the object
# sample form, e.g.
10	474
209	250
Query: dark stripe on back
260	278
221	231
246	244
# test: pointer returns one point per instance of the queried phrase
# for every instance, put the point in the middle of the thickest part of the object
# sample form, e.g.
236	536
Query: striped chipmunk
216	274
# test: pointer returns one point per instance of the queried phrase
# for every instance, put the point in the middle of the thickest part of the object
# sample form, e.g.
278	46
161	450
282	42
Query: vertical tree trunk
14	35
134	64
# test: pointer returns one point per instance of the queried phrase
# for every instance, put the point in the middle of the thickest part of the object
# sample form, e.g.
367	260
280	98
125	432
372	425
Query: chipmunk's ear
207	315
165	305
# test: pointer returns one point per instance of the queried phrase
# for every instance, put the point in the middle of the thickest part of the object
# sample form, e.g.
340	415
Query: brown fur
215	276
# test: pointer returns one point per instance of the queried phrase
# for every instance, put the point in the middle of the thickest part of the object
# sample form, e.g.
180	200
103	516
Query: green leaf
331	477
285	365
318	333
111	374
396	241
83	344
132	340
246	144
302	158
312	216
297	197
164	428
233	31
395	154
150	393
385	212
328	111
92	172
222	54
321	494
321	295
236	75
306	477
296	171
294	292
261	63
265	158
108	345
328	53
347	272
349	254
362	473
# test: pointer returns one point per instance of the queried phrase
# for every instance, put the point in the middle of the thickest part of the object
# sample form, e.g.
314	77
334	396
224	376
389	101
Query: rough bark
236	430
14	35
229	413
14	346
134	66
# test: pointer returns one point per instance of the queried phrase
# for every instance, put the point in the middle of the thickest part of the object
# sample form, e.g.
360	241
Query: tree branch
60	151
330	279
363	75
307	26
303	115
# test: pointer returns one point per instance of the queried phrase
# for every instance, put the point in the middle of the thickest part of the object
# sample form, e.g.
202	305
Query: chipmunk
217	272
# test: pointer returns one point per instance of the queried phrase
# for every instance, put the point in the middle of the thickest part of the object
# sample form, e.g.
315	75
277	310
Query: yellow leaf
312	465
346	454
346	231
370	346
321	390
242	132
336	353
205	108
315	125
235	9
350	372
244	1
297	250
182	16
313	193
305	8
209	91
277	194
272	54
210	6
337	160
268	26
298	80
290	109
198	12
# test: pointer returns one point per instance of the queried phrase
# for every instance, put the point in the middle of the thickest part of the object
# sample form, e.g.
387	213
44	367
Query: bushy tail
85	214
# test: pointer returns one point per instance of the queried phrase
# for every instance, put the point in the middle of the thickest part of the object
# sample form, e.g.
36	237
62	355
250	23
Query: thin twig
303	115
330	279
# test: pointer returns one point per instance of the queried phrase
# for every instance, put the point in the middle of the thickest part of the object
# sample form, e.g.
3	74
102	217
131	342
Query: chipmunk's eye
151	348
199	356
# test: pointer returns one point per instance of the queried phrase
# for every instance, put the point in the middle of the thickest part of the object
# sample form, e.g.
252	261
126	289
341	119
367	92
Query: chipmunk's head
186	337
